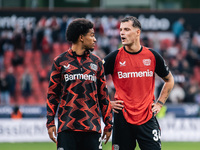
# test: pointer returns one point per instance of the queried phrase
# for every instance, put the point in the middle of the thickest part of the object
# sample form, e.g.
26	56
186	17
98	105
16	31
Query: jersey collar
133	52
73	54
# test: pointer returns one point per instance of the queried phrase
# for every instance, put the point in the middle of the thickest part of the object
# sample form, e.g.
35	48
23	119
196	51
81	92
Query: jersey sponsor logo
66	67
79	76
93	67
122	63
135	74
147	62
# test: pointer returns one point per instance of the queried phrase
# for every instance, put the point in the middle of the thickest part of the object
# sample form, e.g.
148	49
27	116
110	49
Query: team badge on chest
93	67
147	62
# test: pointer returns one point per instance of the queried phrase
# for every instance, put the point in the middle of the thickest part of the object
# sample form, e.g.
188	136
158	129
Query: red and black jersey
78	90
134	80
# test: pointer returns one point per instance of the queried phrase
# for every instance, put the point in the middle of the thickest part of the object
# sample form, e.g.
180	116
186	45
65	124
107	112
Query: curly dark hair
77	27
136	22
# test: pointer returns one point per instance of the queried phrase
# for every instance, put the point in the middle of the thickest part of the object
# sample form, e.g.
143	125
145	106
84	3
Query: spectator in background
26	84
18	58
108	23
17	37
11	81
6	44
55	27
103	43
178	28
195	46
173	50
4	89
192	58
190	35
177	95
63	28
1	54
145	40
28	36
40	31
98	28
16	114
46	50
192	90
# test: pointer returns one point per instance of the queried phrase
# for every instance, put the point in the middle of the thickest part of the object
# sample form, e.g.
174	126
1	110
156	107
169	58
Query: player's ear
81	38
138	31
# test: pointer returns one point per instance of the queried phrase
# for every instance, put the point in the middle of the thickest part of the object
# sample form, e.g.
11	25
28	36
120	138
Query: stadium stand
31	66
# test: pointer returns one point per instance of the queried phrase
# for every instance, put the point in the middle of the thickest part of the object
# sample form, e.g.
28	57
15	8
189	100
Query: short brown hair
136	22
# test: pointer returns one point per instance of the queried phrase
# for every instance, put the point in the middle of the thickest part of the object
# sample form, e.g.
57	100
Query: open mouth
122	38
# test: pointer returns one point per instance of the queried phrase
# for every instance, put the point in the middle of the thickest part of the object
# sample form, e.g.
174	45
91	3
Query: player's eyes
125	29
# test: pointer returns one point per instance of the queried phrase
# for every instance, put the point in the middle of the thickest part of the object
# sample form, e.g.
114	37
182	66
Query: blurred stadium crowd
26	55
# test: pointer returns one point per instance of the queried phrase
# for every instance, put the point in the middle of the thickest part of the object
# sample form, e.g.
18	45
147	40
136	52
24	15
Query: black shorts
75	140
125	134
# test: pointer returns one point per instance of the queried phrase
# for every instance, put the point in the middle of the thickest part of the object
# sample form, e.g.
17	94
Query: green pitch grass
52	146
169	146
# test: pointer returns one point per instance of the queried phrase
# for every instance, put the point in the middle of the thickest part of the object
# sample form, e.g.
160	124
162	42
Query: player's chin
90	49
124	43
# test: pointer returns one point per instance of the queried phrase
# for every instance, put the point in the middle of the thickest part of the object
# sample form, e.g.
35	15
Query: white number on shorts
100	143
156	135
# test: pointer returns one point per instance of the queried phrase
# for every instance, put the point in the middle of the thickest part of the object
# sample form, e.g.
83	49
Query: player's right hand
52	133
106	136
117	105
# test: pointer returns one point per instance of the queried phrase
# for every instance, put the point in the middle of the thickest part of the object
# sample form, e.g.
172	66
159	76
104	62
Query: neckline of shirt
133	52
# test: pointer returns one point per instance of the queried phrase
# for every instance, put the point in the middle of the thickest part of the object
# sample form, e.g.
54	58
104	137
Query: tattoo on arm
167	87
168	92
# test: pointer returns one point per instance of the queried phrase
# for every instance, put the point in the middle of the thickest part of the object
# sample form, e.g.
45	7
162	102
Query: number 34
156	135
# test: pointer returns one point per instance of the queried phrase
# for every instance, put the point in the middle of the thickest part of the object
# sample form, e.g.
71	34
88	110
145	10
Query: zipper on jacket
80	65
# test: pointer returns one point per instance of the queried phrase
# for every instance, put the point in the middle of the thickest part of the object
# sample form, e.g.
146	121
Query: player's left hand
52	133
106	136
117	105
156	108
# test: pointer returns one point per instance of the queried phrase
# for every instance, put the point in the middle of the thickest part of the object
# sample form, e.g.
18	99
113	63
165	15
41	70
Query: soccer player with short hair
133	69
77	89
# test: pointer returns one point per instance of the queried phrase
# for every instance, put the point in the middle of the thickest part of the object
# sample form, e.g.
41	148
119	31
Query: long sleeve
104	100
53	94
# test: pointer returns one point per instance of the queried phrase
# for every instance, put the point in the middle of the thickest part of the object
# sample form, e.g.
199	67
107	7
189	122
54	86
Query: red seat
8	54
